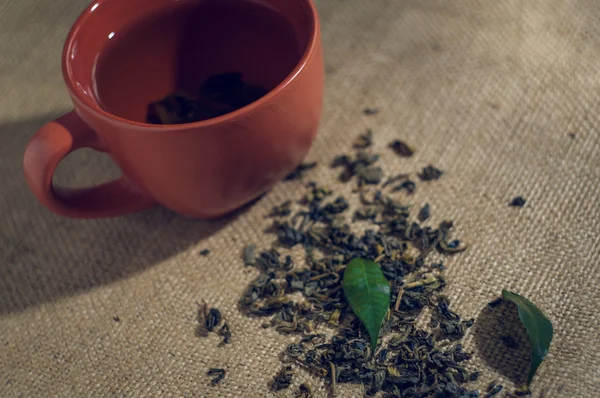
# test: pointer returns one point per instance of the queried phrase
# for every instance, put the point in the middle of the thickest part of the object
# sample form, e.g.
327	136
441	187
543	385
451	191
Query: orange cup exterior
204	169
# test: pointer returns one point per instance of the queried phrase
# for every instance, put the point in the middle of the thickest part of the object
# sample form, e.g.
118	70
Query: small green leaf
538	327
368	292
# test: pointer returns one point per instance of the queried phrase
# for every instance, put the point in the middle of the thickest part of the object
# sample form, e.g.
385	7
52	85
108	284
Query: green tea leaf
538	327
368	292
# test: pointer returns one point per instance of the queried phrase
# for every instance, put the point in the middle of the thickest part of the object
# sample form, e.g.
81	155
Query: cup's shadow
502	341
44	257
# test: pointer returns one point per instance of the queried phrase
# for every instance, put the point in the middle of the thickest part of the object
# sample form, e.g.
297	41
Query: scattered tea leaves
370	111
430	173
493	390
213	318
450	324
299	171
408	186
393	179
249	254
424	213
333	376
301	298
205	252
369	175
351	167
226	333
491	385
283	379
304	391
519	201
401	149
539	329
217	374
208	320
282	210
368	293
444	246
364	140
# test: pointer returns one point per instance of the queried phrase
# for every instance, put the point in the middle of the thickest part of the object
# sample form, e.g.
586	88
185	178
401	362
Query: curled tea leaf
283	379
213	318
217	374
539	329
368	293
226	333
304	391
364	140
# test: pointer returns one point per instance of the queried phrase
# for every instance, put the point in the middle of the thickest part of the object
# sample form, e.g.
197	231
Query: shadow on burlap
500	95
502	342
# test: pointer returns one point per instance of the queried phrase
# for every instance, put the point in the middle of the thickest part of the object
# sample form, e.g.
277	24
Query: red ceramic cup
122	54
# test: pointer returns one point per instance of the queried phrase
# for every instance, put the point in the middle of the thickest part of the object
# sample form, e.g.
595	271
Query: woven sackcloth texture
501	95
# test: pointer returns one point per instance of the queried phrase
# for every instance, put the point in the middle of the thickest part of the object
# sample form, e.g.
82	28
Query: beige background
487	90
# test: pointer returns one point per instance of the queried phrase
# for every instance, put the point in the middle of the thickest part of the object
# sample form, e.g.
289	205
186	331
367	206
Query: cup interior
124	54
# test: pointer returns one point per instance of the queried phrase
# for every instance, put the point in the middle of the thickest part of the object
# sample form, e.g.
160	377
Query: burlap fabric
502	95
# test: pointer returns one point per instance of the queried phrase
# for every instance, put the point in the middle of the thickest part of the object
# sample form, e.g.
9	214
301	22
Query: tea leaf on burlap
368	292
539	329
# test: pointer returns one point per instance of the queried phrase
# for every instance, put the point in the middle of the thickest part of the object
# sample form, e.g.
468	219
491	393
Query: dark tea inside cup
244	47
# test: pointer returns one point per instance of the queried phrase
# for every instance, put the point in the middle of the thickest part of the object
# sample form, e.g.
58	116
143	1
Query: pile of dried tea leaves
308	299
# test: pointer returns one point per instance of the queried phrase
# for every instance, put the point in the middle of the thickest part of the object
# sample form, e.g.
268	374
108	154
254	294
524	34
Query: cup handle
48	147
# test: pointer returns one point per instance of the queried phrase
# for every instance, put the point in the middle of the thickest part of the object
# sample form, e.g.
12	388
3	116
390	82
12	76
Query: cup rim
85	101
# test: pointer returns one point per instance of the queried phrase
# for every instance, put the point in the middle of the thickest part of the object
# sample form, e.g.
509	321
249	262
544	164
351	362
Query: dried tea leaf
539	329
283	379
217	374
370	175
493	389
282	210
212	319
519	201
424	213
401	148
299	171
249	254
225	331
408	186
364	140
368	293
430	173
304	391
